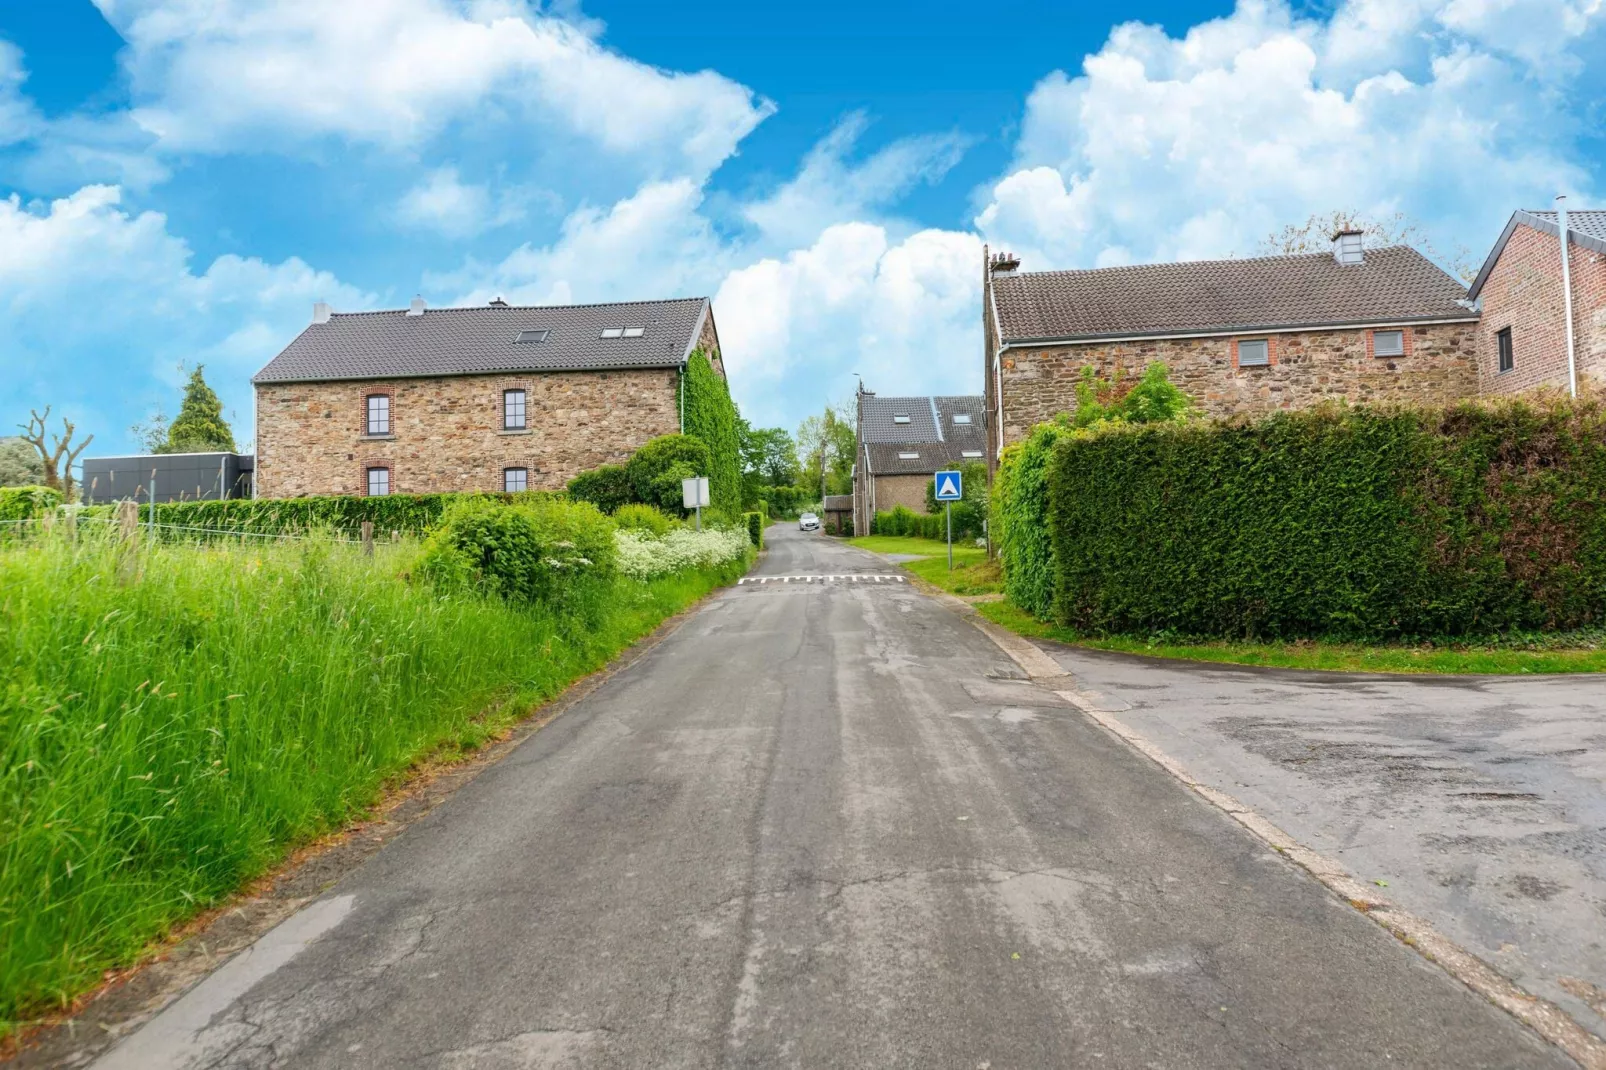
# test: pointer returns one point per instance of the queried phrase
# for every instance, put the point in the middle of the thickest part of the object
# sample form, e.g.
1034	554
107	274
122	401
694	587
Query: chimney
1005	264
417	307
1348	247
320	312
497	302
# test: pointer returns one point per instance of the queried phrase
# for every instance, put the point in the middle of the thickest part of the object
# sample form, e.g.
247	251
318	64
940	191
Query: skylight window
971	453
531	336
900	418
908	456
623	332
961	417
612	332
635	332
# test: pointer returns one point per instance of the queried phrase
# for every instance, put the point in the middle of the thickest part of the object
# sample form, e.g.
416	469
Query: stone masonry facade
446	433
888	492
1523	294
1440	366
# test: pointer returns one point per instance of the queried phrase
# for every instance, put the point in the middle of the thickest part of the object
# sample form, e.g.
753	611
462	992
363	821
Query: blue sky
180	180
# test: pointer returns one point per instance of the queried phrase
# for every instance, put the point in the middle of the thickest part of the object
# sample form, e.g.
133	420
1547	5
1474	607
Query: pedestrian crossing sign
949	486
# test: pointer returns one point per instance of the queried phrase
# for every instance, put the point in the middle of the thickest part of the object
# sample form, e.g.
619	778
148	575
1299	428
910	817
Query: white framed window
378	482
971	453
623	332
513	410
906	456
961	417
900	417
1388	343
612	332
515	479
378	414
634	332
1254	353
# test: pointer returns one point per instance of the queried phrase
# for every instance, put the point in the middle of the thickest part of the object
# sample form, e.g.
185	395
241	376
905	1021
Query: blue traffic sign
950	486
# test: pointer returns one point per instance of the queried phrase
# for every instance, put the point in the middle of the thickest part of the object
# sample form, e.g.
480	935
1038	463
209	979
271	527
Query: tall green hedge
1339	523
411	513
711	415
25	503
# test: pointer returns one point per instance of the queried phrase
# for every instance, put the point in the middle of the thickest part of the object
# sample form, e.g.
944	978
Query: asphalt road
825	824
1481	801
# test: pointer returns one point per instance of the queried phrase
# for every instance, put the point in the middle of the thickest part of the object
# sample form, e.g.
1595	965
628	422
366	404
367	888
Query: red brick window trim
379	411
1271	351
377	480
1405	342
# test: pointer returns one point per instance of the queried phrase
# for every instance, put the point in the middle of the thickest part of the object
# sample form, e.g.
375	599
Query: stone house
1241	336
902	442
491	398
1522	338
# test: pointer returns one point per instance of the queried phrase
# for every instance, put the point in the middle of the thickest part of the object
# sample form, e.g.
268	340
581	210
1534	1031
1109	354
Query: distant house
1522	340
1240	336
903	441
496	397
837	514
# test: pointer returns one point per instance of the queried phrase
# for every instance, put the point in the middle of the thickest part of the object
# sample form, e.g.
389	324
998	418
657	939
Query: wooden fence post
368	537
127	533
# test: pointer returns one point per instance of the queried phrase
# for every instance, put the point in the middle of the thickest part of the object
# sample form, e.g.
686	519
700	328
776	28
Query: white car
808	522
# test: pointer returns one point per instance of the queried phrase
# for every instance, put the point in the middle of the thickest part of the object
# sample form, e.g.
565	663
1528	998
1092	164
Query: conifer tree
199	426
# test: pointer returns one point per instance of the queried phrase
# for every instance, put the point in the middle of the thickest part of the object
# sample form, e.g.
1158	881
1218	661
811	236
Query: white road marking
850	578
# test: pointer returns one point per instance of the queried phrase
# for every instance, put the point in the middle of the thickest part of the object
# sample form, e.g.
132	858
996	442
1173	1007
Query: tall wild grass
171	724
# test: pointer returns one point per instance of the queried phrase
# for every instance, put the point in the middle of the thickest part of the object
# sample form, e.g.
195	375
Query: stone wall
446	433
1440	366
1523	292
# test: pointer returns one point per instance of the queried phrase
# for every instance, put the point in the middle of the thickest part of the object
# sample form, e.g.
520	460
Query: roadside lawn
1587	654
973	574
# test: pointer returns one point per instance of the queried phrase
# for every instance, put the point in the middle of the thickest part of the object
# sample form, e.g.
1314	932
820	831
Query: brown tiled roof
1394	284
484	339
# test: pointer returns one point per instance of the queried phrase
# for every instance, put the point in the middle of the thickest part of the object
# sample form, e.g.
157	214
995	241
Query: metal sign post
950	487
694	495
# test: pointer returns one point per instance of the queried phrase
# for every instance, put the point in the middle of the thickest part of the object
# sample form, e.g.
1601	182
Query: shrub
539	552
644	557
901	520
644	518
25	503
755	528
407	513
656	469
1020	522
1345	523
607	487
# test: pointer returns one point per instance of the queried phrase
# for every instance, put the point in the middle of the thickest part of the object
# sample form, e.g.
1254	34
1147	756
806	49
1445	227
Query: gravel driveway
1479	800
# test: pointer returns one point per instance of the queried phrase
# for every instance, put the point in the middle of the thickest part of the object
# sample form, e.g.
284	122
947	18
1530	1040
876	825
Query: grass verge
172	724
972	573
1498	660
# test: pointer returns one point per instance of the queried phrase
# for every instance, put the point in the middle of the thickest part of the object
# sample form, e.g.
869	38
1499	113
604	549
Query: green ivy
1345	523
711	416
1020	521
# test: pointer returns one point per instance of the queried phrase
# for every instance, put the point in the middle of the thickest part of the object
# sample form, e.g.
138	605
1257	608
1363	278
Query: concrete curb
1543	1017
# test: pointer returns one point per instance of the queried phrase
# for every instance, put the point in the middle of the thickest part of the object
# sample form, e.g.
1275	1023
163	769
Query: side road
827	824
1479	801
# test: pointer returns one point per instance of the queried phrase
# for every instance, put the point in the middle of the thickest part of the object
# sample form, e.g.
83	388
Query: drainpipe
1567	296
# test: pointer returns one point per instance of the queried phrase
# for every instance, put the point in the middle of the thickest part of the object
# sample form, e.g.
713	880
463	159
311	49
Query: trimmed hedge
755	529
901	520
411	513
25	503
606	486
1357	524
